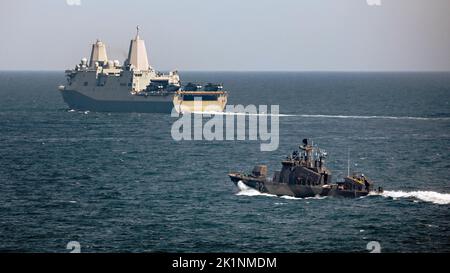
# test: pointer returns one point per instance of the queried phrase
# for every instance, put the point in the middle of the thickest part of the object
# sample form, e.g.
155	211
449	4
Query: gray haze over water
232	34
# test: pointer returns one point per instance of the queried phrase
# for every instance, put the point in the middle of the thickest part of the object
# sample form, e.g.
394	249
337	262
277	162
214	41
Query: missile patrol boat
105	85
303	174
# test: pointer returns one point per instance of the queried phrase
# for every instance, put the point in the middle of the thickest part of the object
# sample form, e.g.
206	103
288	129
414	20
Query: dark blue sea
118	182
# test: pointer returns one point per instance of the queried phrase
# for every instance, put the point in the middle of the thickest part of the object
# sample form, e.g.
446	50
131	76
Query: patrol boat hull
299	191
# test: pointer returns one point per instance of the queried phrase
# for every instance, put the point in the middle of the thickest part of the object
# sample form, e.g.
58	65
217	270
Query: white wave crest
427	196
248	191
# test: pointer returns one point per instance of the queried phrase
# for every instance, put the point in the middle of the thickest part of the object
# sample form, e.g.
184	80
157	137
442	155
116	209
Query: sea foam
426	196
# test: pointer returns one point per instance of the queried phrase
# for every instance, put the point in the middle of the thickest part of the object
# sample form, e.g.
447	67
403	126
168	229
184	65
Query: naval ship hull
138	104
264	185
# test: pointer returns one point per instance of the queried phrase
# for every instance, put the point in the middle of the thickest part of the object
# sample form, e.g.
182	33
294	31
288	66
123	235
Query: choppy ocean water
119	182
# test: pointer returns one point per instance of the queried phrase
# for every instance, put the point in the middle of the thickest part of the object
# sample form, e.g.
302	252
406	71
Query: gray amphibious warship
105	85
304	175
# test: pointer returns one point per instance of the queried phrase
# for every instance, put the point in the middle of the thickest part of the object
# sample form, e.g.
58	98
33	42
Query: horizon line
259	70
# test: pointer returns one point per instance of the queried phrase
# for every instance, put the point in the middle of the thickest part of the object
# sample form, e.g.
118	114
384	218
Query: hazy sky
231	34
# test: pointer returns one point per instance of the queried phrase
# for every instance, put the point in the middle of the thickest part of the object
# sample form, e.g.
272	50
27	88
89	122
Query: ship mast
137	54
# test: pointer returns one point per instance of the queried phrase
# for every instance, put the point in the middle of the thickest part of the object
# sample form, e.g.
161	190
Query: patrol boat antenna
348	162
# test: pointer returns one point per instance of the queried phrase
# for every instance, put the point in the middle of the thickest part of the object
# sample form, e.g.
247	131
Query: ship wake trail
241	114
426	196
322	116
375	117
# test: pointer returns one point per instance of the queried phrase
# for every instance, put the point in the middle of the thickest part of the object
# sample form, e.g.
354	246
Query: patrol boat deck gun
303	174
105	85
